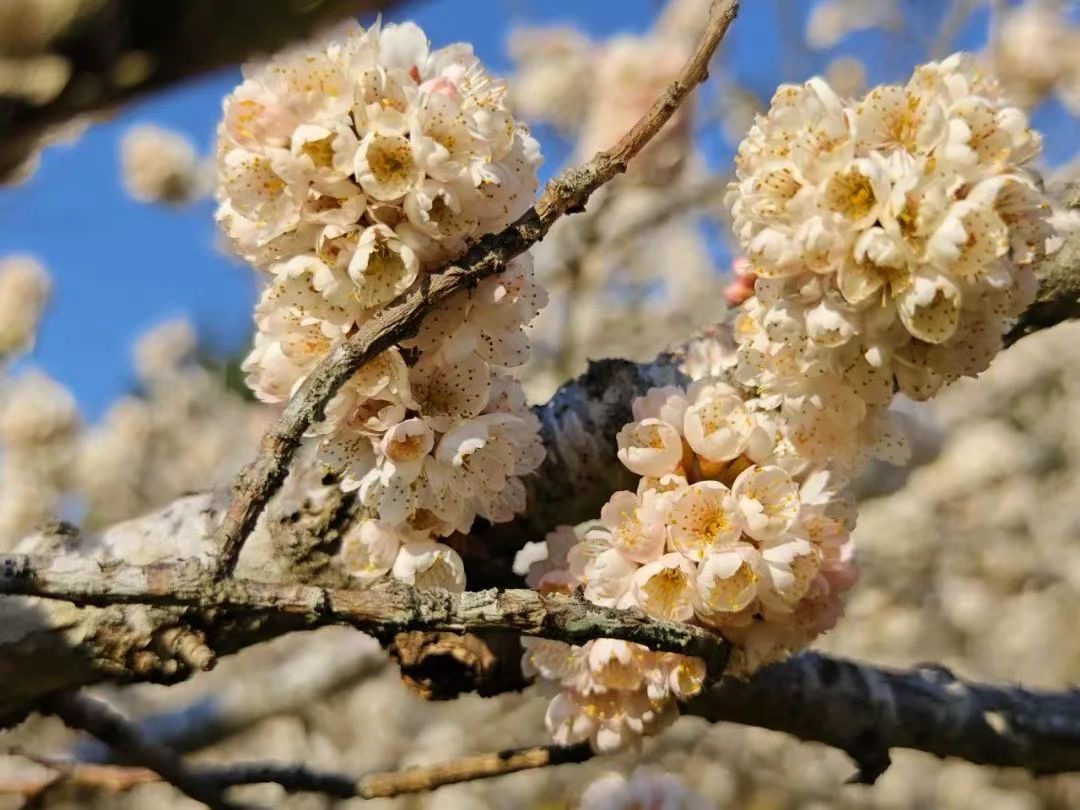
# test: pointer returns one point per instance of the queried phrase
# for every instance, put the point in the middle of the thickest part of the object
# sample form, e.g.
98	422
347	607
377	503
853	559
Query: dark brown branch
117	50
566	193
84	713
858	708
866	711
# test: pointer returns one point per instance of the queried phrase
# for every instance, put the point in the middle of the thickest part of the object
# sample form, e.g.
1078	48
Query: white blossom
160	166
24	292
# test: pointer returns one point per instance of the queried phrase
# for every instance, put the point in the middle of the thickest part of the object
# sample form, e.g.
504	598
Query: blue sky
120	267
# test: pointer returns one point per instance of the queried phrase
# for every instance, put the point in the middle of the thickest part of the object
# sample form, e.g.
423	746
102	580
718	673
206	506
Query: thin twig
83	713
302	779
467	769
566	193
384	609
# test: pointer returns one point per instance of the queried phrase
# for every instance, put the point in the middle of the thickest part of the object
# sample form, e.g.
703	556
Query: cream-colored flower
664	588
768	501
551	572
636	525
703	517
426	564
369	550
717	425
728	581
617	664
609	721
650	447
385	167
791	564
667	404
603	570
381	267
447	391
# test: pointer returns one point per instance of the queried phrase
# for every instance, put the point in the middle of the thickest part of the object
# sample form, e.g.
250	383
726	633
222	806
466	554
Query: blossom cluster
614	692
888	243
893	238
729	528
349	169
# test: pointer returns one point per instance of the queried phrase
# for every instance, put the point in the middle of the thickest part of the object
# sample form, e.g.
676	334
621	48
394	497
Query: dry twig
83	713
300	779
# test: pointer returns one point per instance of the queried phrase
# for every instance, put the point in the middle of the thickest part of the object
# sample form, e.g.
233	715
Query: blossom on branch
348	171
893	239
729	528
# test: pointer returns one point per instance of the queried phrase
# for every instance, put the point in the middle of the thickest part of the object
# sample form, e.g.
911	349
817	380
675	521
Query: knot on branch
443	666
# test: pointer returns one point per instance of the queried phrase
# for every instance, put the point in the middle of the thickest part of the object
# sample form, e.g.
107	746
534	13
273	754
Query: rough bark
866	710
383	610
1058	298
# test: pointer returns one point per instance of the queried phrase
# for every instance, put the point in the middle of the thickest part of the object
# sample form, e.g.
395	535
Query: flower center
321	151
851	194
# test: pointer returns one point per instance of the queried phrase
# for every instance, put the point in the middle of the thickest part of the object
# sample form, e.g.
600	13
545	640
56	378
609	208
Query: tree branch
49	646
1058	298
116	50
383	610
566	193
858	708
866	710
